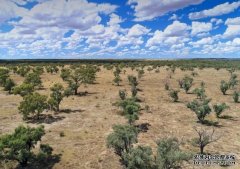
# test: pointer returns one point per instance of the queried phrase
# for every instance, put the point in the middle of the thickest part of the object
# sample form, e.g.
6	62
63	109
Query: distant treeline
200	63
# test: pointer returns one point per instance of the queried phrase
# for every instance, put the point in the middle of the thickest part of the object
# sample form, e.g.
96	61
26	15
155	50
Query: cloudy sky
119	29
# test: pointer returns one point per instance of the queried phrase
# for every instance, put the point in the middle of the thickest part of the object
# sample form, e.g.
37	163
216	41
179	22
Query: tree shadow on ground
68	111
211	123
144	127
43	164
45	118
86	93
227	117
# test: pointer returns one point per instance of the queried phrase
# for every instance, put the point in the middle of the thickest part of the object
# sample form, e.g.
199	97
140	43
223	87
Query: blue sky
154	29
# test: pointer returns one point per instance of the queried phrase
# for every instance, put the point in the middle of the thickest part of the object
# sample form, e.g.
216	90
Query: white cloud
150	9
175	33
8	10
138	30
233	21
216	21
216	11
203	41
233	28
200	27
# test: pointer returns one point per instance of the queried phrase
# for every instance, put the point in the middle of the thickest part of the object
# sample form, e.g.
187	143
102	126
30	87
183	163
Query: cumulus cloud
175	33
201	27
9	9
138	30
150	9
216	11
233	27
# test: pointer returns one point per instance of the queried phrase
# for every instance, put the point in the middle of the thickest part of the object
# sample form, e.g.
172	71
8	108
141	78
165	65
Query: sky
119	29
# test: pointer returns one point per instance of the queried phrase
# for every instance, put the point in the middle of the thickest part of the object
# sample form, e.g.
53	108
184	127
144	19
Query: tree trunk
201	149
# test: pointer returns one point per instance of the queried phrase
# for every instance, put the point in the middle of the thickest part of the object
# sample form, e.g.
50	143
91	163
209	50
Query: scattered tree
23	89
9	84
169	155
224	87
174	95
236	96
18	146
200	108
219	108
122	94
34	79
204	138
33	104
187	83
122	138
139	157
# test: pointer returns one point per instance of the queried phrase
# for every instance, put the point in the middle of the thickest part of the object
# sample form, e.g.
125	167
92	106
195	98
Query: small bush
187	83
224	87
169	154
174	95
122	94
219	108
236	96
200	108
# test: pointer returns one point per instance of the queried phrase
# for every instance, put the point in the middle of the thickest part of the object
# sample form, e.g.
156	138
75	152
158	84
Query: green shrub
9	85
174	95
122	138
236	96
23	89
33	104
200	92
18	146
224	87
122	94
187	83
219	108
200	108
169	155
139	157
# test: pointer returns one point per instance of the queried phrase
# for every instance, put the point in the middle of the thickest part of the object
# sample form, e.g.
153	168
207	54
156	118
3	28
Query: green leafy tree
139	157
122	138
122	94
33	104
200	108
76	77
39	70
200	92
187	83
134	91
52	69
9	84
23	89
34	79
233	81
4	75
236	96
219	108
18	146
174	95
57	95
140	73
132	80
224	86
169	155
23	70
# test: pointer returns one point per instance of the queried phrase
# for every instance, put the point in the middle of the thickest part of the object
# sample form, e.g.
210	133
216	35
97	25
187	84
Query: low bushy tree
23	70
169	155
224	86
9	85
201	108
219	108
139	157
236	96
204	138
34	79
174	95
200	92
23	89
122	138
233	81
122	94
187	83
4	75
57	95
33	104
18	146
